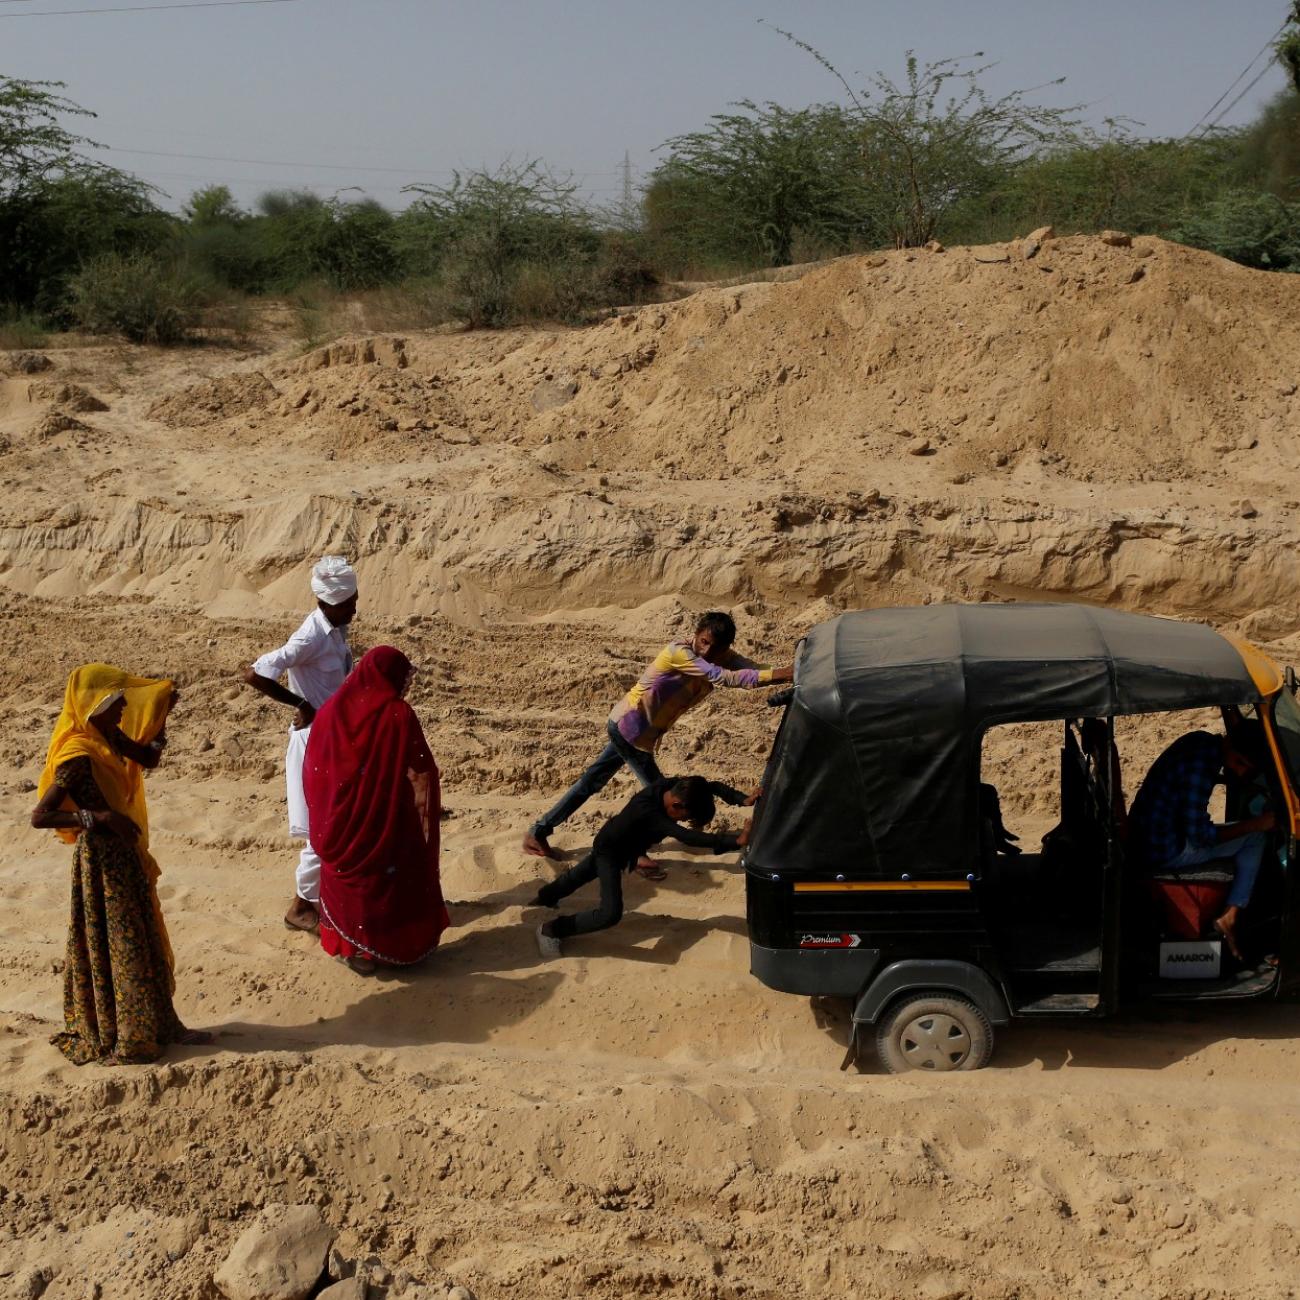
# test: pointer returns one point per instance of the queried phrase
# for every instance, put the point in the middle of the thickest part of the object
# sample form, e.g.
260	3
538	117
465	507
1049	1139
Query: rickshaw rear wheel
933	1031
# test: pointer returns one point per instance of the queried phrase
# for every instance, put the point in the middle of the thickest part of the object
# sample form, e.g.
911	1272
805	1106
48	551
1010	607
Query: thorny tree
34	145
760	178
940	138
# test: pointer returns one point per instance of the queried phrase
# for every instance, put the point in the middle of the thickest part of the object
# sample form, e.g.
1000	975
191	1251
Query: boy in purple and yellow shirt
682	674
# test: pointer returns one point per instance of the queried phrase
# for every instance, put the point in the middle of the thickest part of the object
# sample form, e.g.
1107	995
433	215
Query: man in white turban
316	659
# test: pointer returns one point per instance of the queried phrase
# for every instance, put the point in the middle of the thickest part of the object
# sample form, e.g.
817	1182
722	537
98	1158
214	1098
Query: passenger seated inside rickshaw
1174	840
1190	877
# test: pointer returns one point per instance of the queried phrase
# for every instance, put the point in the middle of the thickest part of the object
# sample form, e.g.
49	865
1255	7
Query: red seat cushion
1188	906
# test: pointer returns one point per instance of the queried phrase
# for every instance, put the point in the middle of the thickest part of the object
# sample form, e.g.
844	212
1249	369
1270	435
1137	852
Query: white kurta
316	658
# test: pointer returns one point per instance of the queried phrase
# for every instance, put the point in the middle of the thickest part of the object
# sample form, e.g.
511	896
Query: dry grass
20	330
412	305
321	314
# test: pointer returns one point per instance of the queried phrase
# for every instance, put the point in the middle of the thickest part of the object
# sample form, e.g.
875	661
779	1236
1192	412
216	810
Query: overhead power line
280	162
267	186
140	9
416	172
1267	46
1259	76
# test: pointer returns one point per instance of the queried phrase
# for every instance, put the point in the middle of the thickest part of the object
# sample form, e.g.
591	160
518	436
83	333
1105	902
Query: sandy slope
644	1117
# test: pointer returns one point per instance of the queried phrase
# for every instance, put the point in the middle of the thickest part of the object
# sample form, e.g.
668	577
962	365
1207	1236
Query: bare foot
1226	925
362	965
537	847
302	915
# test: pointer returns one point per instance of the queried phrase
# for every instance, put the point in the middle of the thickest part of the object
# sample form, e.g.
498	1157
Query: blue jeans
617	753
1247	852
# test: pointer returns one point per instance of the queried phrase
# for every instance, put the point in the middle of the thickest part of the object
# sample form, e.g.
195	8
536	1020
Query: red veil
373	800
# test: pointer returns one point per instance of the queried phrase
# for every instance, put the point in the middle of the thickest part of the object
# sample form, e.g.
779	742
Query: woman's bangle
86	818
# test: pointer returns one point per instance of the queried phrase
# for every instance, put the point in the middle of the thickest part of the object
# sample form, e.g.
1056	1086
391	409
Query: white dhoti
307	875
316	659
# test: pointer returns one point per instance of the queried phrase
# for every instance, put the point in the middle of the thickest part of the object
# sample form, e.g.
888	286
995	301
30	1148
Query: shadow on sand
472	987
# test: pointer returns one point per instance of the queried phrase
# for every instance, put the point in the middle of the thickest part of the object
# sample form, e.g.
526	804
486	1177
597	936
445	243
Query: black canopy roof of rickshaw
874	768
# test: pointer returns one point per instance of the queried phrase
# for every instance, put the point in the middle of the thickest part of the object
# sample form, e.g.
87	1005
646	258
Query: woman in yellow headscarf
117	982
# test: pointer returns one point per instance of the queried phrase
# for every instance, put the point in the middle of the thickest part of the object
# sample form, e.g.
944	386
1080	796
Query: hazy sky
327	94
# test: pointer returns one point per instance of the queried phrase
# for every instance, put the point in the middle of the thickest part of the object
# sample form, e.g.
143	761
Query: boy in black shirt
651	815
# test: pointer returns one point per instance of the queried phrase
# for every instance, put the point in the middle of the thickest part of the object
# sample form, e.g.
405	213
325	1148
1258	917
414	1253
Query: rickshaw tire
933	1031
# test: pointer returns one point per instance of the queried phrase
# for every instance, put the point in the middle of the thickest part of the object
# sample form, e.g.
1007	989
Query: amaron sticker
831	941
1199	960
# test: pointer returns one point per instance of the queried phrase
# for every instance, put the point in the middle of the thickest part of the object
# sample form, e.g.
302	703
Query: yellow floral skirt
117	984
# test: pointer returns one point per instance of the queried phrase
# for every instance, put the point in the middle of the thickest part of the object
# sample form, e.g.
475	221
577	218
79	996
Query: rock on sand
280	1257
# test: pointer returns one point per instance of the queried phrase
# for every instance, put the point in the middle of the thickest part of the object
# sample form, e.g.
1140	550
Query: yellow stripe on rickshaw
878	886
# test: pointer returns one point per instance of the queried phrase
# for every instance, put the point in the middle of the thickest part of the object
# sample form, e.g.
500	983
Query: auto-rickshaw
874	871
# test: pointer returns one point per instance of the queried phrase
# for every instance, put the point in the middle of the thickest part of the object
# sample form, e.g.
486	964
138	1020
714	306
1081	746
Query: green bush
758	180
507	241
145	298
51	228
356	249
1119	183
297	238
420	235
290	228
1254	229
1267	151
480	282
229	253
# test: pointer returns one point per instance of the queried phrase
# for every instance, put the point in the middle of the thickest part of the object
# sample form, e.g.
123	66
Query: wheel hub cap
935	1042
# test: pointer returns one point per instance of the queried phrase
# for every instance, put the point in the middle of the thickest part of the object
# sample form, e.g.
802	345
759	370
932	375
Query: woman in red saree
373	799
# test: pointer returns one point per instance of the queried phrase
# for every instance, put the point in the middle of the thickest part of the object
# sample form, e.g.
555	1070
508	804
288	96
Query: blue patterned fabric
1172	809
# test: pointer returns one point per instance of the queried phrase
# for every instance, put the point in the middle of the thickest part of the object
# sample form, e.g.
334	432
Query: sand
642	1117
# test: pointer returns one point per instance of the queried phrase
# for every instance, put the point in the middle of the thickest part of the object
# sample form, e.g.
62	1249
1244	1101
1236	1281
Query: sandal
1229	937
361	965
